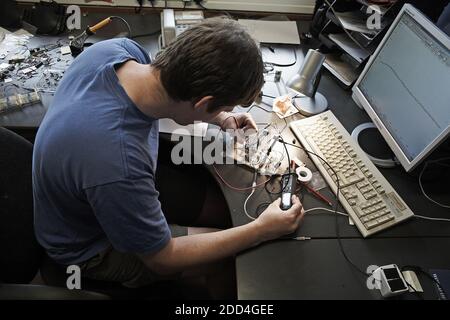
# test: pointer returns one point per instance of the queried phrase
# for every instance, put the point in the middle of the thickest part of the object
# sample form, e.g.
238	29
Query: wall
284	6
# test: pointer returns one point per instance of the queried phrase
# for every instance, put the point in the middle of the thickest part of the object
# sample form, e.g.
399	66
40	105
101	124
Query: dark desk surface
288	269
316	269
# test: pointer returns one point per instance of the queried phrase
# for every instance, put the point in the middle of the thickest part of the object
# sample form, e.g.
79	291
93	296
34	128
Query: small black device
288	185
391	280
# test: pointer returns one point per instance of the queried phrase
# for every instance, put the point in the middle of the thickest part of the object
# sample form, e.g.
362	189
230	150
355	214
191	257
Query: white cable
306	211
250	195
245	204
421	186
326	209
432	219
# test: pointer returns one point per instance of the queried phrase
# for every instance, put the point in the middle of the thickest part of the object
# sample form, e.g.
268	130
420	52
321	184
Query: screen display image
408	86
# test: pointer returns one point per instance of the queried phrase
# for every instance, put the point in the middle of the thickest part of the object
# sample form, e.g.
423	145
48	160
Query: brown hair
214	58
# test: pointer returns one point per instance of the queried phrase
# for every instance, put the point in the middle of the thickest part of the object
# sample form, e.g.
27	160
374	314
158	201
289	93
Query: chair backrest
20	254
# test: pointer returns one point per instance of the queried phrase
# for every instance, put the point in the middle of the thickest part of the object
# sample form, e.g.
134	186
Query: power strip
16	101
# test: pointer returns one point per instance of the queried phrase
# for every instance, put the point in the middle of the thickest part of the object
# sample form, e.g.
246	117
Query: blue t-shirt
94	163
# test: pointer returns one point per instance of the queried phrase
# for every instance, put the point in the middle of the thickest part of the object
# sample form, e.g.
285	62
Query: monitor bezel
361	100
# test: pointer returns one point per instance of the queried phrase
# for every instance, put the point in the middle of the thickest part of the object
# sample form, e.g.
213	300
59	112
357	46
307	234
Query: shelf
356	21
341	69
351	41
379	8
343	41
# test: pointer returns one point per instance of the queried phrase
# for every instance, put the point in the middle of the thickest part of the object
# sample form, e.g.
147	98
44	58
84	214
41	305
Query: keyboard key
372	224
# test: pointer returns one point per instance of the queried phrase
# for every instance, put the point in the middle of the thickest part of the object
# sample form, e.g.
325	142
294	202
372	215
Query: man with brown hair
95	173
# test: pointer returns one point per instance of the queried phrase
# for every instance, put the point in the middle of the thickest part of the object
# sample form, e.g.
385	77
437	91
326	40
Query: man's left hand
235	121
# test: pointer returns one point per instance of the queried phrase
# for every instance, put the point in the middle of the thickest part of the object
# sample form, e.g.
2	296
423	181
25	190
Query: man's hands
274	222
235	121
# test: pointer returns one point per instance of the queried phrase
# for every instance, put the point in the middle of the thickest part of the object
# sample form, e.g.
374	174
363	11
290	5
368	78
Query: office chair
21	256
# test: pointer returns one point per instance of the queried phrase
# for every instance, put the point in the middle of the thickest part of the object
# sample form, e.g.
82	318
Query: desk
316	269
287	269
27	120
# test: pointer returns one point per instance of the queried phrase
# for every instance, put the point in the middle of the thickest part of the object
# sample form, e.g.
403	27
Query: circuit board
259	151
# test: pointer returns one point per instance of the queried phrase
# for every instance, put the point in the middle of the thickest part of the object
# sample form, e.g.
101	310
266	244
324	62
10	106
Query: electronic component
288	185
17	58
257	151
391	281
18	101
173	23
65	50
370	200
49	80
277	76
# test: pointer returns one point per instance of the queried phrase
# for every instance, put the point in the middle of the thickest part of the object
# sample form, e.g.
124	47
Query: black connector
288	185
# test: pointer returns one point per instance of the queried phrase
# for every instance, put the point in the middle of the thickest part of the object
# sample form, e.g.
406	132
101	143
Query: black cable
259	207
418	269
269	181
285	125
200	4
427	163
268	96
125	22
417	293
154	33
338	235
259	107
272	64
277	193
287	153
138	9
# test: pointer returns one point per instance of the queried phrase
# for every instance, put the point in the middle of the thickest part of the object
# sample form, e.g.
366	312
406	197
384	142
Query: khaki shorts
126	268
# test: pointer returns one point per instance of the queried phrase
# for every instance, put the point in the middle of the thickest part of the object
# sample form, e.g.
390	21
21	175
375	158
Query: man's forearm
189	251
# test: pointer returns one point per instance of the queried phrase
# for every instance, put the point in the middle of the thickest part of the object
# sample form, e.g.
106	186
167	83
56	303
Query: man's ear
203	103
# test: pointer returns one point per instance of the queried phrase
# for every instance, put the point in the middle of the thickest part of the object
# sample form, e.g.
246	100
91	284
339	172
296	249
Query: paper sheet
285	32
349	46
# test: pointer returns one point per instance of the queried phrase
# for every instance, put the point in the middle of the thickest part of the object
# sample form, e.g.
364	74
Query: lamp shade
305	79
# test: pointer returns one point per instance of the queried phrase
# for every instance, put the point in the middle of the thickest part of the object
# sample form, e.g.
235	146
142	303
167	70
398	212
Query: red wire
237	188
222	178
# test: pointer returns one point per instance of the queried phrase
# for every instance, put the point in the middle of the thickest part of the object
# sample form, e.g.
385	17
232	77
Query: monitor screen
406	85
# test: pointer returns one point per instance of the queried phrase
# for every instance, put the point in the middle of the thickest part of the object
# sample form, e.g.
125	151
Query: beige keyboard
367	196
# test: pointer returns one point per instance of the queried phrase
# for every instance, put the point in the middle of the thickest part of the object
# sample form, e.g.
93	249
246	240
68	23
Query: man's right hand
274	222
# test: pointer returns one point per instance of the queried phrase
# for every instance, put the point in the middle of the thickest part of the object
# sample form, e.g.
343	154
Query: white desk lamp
305	82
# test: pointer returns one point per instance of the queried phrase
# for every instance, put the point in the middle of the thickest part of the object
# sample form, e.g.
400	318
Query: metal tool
77	44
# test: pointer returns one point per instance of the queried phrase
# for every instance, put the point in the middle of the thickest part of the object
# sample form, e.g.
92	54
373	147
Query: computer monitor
405	87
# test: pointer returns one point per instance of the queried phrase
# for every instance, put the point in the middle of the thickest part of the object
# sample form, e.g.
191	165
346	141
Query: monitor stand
372	143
